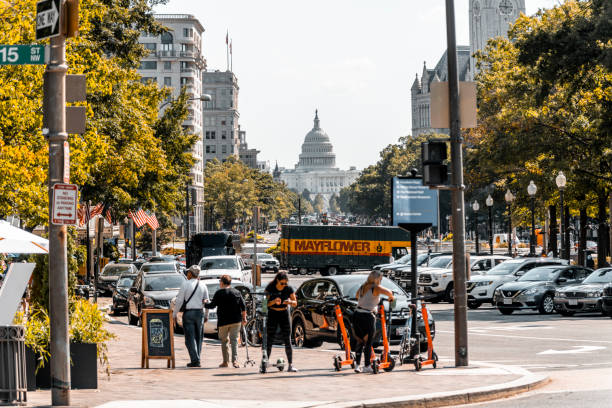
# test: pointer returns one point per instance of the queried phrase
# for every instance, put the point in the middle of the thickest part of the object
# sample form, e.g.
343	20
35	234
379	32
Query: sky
353	60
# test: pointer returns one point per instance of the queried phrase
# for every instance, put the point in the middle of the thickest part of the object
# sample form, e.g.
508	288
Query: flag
85	212
139	217
152	221
108	217
227	37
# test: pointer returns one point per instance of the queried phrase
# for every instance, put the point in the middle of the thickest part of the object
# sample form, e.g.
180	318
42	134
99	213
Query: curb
526	383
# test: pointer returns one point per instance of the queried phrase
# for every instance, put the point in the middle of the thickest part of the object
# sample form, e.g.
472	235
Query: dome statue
317	150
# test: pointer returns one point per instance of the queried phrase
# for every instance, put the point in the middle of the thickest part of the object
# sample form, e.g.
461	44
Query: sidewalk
316	384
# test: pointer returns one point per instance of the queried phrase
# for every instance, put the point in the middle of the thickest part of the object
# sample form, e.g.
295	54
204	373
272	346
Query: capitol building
316	169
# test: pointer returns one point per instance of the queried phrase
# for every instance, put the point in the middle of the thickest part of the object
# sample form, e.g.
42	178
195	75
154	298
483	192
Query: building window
167	65
187	32
166	38
150	46
223	134
232	149
211	149
148	65
167	81
223	149
210	134
145	80
223	123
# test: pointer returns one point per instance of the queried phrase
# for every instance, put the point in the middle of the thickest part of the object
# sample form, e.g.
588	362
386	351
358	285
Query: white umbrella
17	241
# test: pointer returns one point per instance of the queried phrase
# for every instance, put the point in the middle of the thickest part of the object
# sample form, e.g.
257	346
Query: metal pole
255	222
567	233
490	231
563	226
299	210
154	241
460	301
187	212
55	102
88	243
509	229
133	229
414	278
532	238
476	232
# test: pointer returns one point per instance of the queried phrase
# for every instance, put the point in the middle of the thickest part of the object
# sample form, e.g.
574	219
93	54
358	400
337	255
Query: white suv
213	267
439	281
481	288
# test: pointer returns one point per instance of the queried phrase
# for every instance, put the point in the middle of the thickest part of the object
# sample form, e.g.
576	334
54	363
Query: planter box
83	368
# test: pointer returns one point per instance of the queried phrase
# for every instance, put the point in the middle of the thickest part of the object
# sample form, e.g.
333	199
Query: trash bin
13	382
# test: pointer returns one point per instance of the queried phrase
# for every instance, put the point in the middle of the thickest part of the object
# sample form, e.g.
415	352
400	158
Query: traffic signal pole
55	103
459	264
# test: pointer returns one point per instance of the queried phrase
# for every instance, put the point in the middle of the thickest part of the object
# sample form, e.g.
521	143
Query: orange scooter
432	357
386	362
349	357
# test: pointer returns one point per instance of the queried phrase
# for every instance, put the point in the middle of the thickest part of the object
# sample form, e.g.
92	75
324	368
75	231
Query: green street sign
22	54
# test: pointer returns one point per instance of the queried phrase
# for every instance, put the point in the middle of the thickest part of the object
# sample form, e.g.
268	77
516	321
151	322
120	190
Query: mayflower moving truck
338	249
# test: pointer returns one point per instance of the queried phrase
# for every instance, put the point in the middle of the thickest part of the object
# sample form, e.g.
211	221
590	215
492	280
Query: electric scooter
349	357
407	343
386	362
246	345
280	363
432	357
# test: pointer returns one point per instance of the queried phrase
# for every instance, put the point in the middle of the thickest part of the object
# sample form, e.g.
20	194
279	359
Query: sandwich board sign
47	19
64	208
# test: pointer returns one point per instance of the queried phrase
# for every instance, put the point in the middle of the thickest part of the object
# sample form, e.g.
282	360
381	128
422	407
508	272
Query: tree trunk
552	238
583	233
602	205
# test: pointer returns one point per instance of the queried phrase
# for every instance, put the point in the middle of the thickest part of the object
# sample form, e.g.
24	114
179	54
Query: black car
606	300
121	292
152	291
109	275
583	297
536	288
314	319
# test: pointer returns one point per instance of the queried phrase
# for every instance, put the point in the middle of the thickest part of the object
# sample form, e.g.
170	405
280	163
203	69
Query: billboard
414	203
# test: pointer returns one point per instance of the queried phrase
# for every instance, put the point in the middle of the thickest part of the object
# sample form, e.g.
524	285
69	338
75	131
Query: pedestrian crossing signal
433	155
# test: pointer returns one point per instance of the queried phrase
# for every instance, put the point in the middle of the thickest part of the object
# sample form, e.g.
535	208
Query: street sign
22	55
414	203
47	19
64	209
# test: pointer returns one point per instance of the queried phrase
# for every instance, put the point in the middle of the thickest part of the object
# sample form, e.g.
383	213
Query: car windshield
441	262
539	274
405	259
218	263
504	268
350	288
162	283
599	276
159	268
115	270
125	282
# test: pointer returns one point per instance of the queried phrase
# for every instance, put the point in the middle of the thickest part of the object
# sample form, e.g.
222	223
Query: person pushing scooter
364	318
280	296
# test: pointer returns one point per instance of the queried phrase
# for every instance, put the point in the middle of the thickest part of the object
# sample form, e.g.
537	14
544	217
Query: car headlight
559	294
148	301
596	293
484	283
497	292
531	291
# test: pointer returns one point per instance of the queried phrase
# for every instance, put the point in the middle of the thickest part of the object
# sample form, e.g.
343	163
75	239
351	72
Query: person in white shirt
193	295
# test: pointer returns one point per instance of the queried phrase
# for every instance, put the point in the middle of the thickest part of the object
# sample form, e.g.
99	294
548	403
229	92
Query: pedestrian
190	300
364	318
280	297
231	314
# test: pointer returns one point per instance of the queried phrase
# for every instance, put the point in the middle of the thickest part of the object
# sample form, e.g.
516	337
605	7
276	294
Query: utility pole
458	219
55	103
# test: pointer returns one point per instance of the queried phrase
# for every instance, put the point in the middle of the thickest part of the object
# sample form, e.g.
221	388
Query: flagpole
154	239
227	49
88	243
231	57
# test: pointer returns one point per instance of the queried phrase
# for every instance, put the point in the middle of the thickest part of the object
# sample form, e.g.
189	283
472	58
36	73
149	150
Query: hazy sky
354	60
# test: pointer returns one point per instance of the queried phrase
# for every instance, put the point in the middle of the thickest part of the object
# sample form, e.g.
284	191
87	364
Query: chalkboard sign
157	336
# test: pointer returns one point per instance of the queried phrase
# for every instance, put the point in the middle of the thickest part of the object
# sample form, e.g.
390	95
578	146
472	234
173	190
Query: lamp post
489	203
509	198
476	207
561	181
532	190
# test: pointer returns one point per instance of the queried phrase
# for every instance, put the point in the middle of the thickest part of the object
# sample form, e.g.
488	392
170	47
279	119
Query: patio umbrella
14	240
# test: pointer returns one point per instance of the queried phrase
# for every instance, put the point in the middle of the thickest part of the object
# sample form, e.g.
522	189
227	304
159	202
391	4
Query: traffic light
433	155
71	22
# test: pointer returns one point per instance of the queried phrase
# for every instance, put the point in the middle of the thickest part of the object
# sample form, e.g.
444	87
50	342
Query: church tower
489	19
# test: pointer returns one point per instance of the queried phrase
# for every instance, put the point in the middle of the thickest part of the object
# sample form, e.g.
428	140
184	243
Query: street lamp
532	190
489	202
509	198
561	181
476	207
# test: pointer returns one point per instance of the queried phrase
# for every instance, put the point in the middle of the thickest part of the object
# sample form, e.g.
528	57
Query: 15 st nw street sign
22	54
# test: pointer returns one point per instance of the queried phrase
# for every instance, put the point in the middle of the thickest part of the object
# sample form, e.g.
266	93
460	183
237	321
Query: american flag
140	217
152	221
86	212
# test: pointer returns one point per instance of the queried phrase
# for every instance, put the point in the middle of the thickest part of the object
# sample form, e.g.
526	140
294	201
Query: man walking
231	311
190	300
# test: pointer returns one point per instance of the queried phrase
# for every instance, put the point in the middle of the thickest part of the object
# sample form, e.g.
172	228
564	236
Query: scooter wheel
391	364
263	368
354	363
435	359
417	364
375	366
337	364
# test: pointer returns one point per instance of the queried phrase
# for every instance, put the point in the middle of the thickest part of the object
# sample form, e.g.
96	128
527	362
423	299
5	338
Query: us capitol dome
316	169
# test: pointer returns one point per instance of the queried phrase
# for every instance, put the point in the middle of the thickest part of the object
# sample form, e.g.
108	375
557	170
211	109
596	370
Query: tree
319	204
333	204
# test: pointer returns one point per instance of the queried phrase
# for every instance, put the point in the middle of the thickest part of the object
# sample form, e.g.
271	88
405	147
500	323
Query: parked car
481	288
314	319
152	291
210	326
213	267
268	262
585	296
121	292
158	267
439	282
401	261
536	289
606	300
163	258
109	275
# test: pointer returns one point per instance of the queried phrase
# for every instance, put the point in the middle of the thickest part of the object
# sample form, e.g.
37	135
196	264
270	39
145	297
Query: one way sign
47	19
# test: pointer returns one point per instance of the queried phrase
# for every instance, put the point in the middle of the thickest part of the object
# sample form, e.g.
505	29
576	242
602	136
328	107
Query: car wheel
114	310
547	305
299	333
332	271
303	271
132	321
506	310
474	304
566	313
449	293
